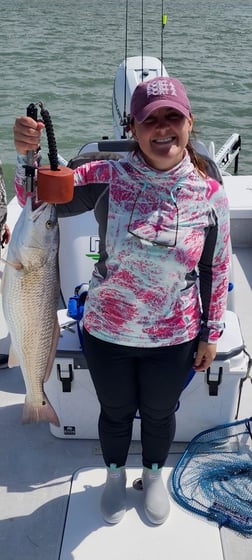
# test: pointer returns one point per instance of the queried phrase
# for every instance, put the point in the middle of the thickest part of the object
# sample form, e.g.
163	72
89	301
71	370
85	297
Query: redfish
30	295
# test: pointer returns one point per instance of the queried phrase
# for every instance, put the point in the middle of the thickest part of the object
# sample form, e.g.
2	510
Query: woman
147	319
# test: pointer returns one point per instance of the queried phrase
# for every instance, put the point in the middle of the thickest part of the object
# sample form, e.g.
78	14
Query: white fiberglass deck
38	504
86	535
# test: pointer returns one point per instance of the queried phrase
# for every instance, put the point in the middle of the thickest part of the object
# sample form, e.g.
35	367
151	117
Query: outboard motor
130	73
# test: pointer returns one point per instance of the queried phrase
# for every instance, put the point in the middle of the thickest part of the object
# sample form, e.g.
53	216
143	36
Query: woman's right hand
27	134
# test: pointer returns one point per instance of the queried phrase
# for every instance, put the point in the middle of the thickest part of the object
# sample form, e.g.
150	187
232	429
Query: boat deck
36	471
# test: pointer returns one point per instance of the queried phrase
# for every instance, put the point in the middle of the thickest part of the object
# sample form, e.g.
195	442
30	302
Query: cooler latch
214	380
66	378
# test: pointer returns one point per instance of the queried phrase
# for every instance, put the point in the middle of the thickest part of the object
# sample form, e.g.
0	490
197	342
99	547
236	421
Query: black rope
53	153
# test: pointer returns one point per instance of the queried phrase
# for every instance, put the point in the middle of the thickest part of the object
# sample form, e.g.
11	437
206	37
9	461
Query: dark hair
198	161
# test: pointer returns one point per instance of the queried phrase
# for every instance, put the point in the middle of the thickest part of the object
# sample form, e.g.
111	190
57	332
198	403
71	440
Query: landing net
214	476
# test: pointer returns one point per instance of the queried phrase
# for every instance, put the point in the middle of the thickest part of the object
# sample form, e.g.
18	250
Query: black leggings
128	379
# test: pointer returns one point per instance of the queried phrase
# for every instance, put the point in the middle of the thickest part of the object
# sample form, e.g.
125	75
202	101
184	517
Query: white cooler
211	398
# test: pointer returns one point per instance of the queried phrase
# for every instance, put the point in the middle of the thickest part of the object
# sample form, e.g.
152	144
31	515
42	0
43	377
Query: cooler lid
230	342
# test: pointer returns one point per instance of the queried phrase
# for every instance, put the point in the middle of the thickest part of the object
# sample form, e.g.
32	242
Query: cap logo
161	87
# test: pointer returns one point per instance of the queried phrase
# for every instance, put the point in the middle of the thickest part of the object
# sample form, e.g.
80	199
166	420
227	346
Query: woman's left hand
204	356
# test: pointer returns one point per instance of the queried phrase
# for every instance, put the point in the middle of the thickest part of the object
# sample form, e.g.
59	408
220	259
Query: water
66	54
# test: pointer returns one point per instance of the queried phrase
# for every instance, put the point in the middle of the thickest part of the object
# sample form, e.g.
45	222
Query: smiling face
162	137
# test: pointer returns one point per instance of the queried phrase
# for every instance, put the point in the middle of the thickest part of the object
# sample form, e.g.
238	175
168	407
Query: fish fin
13	360
17	265
56	333
40	413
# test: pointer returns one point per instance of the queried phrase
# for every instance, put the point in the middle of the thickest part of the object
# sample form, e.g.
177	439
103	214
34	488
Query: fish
30	296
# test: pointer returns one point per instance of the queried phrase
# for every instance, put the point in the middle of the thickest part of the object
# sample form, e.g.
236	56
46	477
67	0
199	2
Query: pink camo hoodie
166	252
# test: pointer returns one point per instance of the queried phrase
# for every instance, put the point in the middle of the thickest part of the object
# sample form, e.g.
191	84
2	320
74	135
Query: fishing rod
163	24
142	39
124	122
124	118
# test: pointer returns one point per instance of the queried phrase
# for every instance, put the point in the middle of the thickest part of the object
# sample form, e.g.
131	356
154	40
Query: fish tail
43	412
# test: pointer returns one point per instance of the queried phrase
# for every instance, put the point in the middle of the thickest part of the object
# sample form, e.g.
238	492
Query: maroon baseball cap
153	94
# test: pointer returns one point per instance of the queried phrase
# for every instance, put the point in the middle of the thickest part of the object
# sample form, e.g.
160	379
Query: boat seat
86	157
106	145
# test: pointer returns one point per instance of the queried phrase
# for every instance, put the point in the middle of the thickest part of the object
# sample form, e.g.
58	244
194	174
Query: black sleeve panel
205	272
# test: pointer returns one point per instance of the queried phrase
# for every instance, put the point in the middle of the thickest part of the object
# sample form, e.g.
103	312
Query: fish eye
49	224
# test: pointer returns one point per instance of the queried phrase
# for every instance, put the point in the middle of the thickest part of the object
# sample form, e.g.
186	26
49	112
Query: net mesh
214	476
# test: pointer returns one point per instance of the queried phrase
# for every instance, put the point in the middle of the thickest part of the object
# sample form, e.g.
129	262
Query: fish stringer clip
55	183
